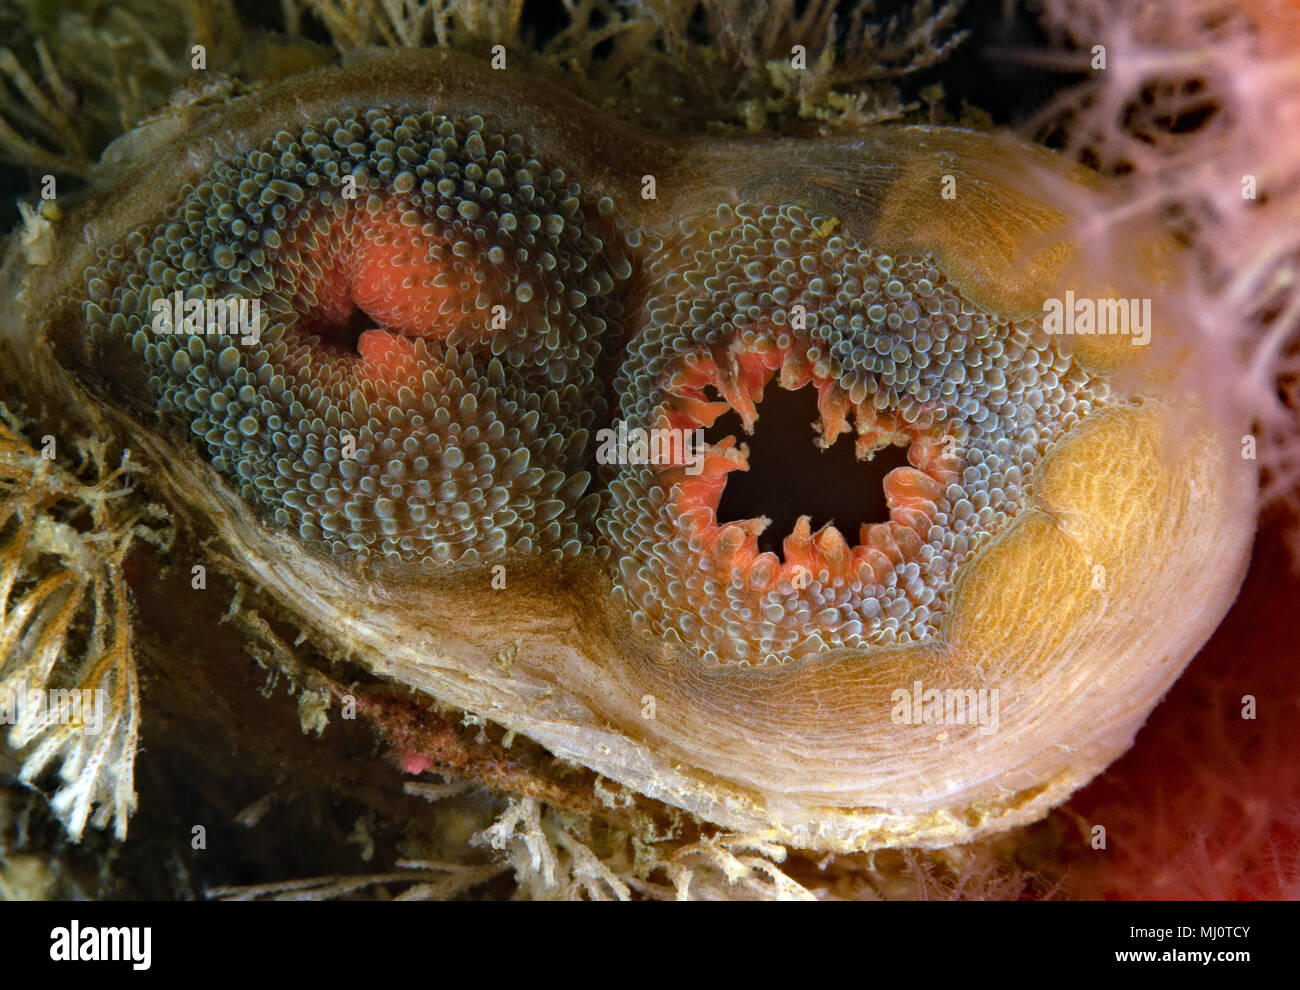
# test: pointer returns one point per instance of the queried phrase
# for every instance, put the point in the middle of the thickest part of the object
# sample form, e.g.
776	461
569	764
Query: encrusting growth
751	298
68	682
481	283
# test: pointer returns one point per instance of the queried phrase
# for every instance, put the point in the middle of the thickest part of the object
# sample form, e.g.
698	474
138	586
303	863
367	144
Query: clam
468	282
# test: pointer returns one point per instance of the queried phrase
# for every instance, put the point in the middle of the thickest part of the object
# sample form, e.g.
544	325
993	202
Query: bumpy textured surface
763	297
433	359
454	426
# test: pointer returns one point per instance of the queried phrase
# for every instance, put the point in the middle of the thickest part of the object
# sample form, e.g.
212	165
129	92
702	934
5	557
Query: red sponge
1207	803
